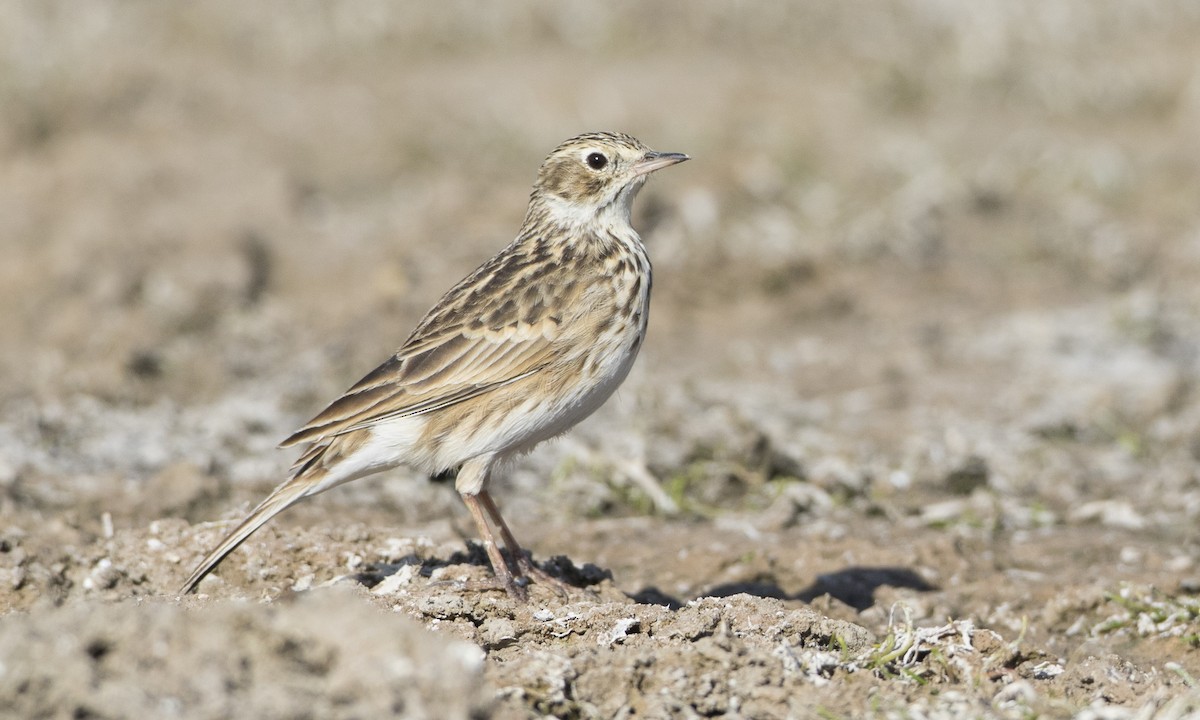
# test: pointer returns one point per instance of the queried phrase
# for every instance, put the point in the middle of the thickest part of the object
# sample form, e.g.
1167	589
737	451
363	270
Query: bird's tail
281	499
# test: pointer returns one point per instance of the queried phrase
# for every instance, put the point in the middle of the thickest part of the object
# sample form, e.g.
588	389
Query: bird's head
595	177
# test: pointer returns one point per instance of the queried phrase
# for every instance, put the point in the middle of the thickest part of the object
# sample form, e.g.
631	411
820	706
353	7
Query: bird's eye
596	161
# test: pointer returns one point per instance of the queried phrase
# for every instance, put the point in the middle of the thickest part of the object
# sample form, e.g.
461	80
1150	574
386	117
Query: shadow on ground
854	586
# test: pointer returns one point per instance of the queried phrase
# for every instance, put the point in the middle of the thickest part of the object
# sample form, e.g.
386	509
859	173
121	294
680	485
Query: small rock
964	480
496	633
943	512
1110	513
795	500
618	632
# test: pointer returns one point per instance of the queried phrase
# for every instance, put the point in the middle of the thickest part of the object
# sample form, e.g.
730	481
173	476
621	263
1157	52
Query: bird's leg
504	576
524	565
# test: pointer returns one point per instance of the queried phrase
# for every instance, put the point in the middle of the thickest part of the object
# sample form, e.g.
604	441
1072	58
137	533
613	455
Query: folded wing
474	341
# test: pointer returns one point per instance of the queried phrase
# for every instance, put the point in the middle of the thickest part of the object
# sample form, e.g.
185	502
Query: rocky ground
915	433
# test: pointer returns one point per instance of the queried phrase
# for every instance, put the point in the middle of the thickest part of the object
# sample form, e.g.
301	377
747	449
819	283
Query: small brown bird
518	352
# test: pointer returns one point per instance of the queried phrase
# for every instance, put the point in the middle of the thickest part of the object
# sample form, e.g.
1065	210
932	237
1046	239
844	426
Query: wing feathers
456	368
477	338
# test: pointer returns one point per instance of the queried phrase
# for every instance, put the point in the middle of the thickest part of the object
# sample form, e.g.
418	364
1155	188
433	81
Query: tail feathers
284	496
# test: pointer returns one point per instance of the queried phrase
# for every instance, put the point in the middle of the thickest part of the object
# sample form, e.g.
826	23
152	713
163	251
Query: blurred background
929	257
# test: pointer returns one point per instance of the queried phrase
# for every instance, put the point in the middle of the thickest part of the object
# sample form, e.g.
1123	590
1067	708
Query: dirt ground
915	434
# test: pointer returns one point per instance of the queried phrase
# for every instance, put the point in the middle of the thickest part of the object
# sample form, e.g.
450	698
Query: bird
518	352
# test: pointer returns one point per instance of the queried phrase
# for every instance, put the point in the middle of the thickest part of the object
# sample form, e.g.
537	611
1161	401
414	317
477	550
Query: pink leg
500	567
524	564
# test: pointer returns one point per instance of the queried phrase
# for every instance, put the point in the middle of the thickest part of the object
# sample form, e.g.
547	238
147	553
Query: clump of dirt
321	654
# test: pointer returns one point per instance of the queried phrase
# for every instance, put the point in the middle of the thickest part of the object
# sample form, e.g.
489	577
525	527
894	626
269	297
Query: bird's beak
652	161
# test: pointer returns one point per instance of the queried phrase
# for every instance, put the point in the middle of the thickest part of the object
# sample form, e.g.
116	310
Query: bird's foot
529	571
516	587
